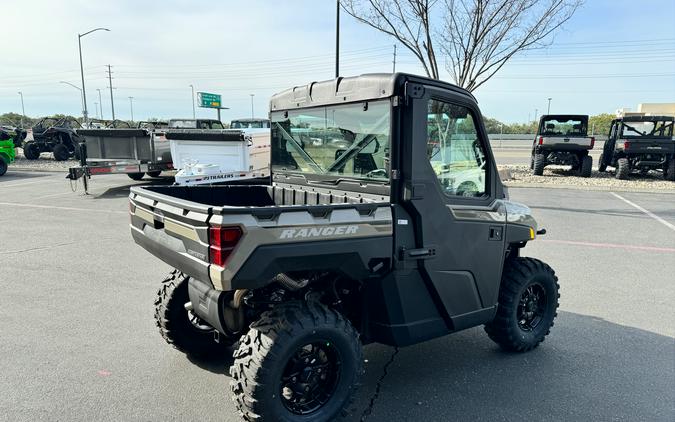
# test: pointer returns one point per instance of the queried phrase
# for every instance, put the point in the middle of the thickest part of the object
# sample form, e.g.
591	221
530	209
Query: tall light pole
96	108
84	94
535	114
131	105
77	88
548	111
100	103
252	115
337	39
194	114
23	111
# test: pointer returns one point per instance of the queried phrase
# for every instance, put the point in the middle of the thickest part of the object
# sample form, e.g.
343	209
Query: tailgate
576	141
174	230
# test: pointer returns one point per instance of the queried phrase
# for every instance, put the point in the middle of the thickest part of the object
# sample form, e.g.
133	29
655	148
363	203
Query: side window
454	150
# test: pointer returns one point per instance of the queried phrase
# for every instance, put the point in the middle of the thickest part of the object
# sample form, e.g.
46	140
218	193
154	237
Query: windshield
347	141
254	124
653	129
561	126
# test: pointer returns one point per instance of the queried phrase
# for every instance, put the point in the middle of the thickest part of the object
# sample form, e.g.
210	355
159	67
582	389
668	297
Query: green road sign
208	100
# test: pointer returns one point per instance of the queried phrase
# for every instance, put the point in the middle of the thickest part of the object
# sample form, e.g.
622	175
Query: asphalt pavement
78	340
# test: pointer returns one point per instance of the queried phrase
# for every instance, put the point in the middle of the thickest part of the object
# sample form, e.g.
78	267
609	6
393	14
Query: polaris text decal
318	232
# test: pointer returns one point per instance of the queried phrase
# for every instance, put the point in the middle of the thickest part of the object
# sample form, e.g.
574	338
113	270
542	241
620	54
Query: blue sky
612	54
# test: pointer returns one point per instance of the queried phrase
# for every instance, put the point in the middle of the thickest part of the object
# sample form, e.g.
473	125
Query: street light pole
337	40
131	105
252	115
23	111
194	114
84	94
96	108
549	106
76	87
100	103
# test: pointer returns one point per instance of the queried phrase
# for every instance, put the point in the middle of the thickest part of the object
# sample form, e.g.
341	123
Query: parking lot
79	341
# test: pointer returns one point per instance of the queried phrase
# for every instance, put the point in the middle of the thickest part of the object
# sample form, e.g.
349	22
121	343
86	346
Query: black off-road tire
539	164
532	162
264	352
622	168
506	329
31	151
174	324
586	166
136	176
154	173
669	171
60	152
602	167
3	167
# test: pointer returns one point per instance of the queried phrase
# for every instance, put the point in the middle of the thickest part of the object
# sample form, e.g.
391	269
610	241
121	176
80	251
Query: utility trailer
220	156
134	152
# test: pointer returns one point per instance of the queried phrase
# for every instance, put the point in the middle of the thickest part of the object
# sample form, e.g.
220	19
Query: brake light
626	144
592	141
222	241
541	140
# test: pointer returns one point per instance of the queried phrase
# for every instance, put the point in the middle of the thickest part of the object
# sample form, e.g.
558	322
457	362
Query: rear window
654	129
561	126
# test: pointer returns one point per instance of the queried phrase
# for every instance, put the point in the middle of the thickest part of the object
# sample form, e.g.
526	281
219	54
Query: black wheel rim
531	307
310	377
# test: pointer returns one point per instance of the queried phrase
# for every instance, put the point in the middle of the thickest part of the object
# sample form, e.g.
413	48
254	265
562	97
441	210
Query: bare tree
477	37
409	21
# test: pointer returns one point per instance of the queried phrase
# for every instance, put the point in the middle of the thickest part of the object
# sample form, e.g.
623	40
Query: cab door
451	191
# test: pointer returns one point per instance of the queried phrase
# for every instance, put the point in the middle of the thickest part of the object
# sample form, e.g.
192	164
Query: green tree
599	124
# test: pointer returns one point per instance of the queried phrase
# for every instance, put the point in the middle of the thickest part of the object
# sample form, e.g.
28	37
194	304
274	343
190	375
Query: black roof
645	118
559	117
370	86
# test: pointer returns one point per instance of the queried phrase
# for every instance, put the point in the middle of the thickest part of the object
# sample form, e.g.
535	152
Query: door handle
421	253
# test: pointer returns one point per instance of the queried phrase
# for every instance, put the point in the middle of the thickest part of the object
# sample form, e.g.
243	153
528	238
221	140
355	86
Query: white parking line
50	207
23	183
649	213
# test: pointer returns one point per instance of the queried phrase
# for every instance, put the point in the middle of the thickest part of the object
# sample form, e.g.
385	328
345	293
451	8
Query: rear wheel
298	362
3	167
669	173
539	164
31	151
528	303
602	167
586	166
60	152
154	173
180	327
622	168
136	176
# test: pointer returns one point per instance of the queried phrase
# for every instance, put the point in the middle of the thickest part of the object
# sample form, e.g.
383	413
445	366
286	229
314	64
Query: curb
587	188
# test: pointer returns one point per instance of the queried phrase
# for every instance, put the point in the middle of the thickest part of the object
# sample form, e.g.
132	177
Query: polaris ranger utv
374	242
640	143
562	140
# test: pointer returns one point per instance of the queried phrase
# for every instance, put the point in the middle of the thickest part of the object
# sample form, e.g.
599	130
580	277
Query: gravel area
46	162
562	176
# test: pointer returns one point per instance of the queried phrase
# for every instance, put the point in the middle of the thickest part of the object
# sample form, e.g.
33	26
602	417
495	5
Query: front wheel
528	304
298	362
3	167
180	327
60	152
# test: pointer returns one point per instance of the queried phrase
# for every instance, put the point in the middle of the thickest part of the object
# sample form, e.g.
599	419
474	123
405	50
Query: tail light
541	140
592	141
626	144
222	241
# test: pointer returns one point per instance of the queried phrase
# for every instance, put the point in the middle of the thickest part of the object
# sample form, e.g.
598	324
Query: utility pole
252	105
96	108
100	102
131	105
549	106
23	111
112	102
337	40
194	113
394	68
84	93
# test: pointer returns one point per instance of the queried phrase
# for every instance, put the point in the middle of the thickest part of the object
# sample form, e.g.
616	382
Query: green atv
7	152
